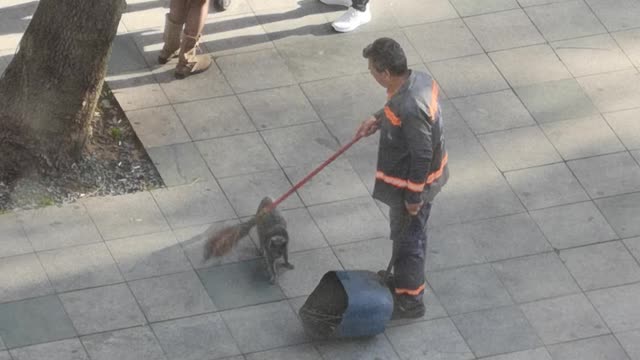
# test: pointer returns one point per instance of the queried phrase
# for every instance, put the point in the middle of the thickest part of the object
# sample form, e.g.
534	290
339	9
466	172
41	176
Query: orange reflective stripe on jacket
433	106
393	119
412	292
394	181
416	187
436	174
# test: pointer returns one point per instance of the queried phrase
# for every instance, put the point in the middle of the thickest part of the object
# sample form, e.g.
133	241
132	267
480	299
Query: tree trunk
49	91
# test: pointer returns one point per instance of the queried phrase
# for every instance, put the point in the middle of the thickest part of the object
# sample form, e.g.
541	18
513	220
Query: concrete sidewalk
534	245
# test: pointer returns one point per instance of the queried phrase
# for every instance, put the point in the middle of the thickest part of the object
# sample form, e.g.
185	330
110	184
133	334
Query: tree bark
49	91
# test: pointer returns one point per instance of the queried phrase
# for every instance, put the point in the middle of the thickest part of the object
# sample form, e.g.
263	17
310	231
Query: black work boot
407	307
389	282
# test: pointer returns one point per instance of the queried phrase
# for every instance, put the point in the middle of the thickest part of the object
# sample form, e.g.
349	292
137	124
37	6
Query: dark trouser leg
359	5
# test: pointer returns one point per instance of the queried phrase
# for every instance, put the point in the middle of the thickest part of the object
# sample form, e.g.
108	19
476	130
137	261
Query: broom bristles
221	242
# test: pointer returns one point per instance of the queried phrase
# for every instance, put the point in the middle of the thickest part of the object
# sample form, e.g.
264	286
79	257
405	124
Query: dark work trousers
359	5
409	235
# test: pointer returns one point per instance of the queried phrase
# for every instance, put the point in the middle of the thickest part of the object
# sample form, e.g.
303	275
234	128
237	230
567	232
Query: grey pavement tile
535	277
195	204
617	174
14	240
377	347
497	331
310	266
130	344
430	340
535	354
519	148
418	11
125	56
626	126
623	213
80	267
144	18
630	341
338	181
451	246
59	350
564	319
246	191
633	245
371	255
298	352
456	126
101	309
467	76
234	33
172	296
504	30
546	186
304	234
350	220
137	90
432	46
196	338
301	144
601	265
468	289
211	118
604	347
2	346
618	306
179	164
636	155
616	14
584	137
127	215
527	3
475	7
573	225
22	277
615	91
309	19
278	107
629	41
501	110
237	155
253	327
256	70
565	20
529	65
158	126
239	284
591	55
556	100
54	227
150	255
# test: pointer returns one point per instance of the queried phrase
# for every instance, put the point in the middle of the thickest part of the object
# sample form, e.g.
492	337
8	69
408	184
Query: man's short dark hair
386	54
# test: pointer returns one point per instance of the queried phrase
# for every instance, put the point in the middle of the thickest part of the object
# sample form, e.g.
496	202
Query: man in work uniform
412	165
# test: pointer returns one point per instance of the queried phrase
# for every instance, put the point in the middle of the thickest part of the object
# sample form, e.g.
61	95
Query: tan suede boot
171	46
189	62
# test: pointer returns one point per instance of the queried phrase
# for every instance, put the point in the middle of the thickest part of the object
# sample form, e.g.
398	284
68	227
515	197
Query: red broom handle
313	173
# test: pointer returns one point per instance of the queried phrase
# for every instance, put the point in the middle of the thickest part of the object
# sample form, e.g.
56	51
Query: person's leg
189	63
174	21
360	5
358	14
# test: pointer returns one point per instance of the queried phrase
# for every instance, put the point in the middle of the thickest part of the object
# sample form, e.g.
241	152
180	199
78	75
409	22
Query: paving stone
451	246
278	107
432	46
471	7
101	309
604	347
236	32
34	321
137	90
584	137
634	246
556	100
573	225
305	20
535	354
618	306
497	331
255	71
144	18
252	326
158	126
80	267
535	277
59	350
591	55
126	215
616	15
55	227
14	241
194	204
429	340
418	11
14	23
493	111
601	265
299	352
22	277
615	91
467	76
304	234
468	289
240	284
301	144
2	346
617	174
631	343
125	56
564	319
371	255
377	347
310	266
179	164
504	30
545	186
623	213
626	126
213	118
350	220
628	41
129	344
527	3
529	65
245	192
196	338
565	20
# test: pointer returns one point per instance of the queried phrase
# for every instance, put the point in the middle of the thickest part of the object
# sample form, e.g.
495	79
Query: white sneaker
346	3
353	18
